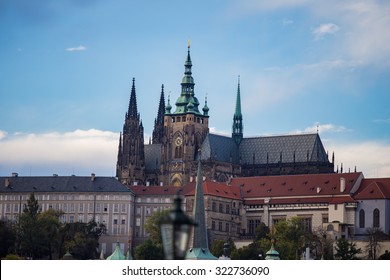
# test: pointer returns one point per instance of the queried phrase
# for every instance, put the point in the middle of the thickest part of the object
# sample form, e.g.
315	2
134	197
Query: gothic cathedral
181	137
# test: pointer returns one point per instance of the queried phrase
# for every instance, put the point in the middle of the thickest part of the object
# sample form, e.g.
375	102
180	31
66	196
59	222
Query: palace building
180	134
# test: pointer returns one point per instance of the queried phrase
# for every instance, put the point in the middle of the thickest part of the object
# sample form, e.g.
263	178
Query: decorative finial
189	43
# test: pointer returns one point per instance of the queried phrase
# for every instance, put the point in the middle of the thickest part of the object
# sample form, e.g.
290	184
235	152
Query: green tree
81	239
153	245
31	237
218	245
152	225
148	250
49	224
346	250
262	231
290	237
7	238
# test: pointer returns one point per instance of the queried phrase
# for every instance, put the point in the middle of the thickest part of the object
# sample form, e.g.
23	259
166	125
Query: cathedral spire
237	133
132	111
158	131
187	99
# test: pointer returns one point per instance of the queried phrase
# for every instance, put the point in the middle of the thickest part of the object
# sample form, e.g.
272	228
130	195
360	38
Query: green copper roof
187	102
272	254
117	254
238	101
199	254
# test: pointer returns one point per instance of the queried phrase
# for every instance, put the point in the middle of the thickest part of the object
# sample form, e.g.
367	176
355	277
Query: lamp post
175	232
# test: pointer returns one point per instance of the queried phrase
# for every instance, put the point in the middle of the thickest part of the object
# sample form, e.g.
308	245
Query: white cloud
286	22
3	134
321	128
79	151
76	49
325	29
386	121
370	157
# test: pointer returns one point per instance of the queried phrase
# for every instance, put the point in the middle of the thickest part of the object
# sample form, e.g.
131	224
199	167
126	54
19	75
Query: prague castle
181	135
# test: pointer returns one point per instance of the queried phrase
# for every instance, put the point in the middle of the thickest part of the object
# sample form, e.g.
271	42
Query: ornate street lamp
175	232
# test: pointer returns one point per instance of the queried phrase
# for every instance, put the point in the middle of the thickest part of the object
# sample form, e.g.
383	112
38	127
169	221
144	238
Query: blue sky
66	70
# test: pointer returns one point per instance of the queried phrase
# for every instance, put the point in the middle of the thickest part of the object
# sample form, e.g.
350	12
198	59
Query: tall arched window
362	218
376	213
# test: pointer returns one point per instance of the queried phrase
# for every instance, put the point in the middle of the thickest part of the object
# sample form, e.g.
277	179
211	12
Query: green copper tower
237	133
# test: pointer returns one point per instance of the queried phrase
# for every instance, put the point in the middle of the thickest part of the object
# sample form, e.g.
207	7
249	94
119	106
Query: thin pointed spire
132	111
237	133
199	247
158	131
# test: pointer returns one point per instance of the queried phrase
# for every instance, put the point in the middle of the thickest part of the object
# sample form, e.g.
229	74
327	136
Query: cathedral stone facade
181	137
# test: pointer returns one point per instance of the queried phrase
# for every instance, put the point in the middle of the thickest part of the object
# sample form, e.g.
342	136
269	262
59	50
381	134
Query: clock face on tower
178	141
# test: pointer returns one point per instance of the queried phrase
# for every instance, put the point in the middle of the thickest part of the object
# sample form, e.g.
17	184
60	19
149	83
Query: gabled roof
263	150
306	147
62	184
219	148
296	185
378	188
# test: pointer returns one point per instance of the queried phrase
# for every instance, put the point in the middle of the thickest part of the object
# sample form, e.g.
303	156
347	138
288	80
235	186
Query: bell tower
184	132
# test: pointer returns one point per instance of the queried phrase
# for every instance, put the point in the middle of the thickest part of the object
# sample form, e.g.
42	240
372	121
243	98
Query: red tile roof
217	189
296	185
159	190
378	188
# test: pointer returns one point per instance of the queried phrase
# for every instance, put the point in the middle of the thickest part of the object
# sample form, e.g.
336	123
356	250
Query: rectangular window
227	209
138	222
335	207
220	208
124	208
71	219
116	208
220	226
81	207
123	221
213	225
227	227
98	207
71	207
90	207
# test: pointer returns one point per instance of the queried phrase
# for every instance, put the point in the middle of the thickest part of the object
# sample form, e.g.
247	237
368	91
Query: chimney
147	183
135	183
342	184
161	184
6	182
318	189
14	174
93	176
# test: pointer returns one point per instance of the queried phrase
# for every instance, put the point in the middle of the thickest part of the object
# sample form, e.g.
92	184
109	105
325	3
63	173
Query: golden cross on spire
189	43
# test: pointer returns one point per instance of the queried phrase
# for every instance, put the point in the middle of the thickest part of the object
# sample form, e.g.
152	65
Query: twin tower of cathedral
181	137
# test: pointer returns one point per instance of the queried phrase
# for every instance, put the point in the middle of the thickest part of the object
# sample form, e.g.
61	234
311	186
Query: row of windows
224	208
224	227
154	200
71	207
184	119
375	218
64	197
